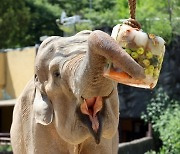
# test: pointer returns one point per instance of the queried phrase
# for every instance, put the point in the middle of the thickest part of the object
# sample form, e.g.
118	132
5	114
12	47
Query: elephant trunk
89	75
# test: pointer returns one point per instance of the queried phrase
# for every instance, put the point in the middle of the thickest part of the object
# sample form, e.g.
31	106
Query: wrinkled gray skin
47	118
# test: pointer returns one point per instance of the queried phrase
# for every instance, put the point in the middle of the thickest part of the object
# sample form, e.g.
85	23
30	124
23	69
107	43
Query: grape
149	55
146	59
146	71
156	72
140	51
128	51
150	70
146	62
134	55
151	67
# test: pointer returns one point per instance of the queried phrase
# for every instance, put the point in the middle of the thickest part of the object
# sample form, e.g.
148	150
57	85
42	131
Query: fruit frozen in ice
149	55
146	62
128	51
134	55
140	51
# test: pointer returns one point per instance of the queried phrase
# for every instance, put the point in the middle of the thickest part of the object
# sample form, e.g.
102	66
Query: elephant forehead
55	50
68	66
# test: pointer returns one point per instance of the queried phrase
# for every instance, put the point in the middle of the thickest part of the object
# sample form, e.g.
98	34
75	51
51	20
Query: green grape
146	71
128	51
146	62
151	73
140	61
140	51
156	73
134	55
151	68
149	55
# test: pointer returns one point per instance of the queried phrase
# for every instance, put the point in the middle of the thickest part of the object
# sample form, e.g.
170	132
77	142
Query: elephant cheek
108	133
67	125
60	127
110	126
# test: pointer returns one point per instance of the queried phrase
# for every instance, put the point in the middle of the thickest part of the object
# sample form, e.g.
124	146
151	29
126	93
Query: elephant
69	107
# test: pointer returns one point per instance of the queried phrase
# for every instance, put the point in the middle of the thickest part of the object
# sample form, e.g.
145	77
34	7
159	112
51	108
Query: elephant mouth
117	74
91	108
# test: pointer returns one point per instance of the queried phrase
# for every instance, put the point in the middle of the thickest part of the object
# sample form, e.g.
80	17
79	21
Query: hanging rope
132	21
132	7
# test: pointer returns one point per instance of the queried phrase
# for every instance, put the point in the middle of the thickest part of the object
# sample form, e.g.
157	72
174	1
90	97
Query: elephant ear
43	109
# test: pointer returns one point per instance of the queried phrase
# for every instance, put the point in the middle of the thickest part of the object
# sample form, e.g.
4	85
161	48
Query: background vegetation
163	113
22	22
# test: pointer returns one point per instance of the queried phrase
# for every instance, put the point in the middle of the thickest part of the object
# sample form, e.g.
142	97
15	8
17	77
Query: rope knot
133	23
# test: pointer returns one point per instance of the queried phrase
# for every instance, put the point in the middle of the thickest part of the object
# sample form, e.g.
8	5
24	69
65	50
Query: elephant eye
56	74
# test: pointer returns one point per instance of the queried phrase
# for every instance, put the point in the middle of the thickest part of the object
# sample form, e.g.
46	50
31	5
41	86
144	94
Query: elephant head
71	91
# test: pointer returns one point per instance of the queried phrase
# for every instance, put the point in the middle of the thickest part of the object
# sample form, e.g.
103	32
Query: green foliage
122	9
22	22
151	152
14	20
5	148
168	125
83	26
72	7
43	20
101	19
164	114
72	29
156	106
102	14
68	30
